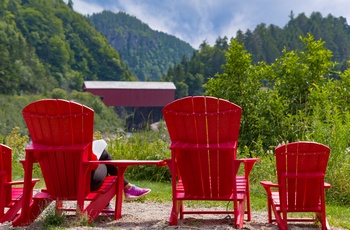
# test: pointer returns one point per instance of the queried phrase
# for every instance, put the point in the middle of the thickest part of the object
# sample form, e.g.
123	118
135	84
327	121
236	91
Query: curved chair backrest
204	138
59	122
301	168
202	120
5	174
62	135
6	162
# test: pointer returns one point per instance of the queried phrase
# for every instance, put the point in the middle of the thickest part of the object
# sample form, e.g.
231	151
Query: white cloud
157	19
168	18
85	8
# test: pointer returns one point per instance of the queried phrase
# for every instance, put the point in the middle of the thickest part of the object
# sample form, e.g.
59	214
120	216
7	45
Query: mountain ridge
148	53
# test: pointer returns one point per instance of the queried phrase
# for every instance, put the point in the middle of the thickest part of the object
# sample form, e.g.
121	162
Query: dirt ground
148	215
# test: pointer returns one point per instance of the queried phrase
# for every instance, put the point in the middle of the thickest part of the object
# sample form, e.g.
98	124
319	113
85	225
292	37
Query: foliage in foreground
143	145
296	98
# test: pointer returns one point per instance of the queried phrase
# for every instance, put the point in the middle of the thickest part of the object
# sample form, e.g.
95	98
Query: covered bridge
132	93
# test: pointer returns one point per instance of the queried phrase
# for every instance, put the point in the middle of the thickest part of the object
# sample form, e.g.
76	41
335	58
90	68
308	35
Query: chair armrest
121	163
44	148
268	185
168	162
37	148
34	181
327	185
248	164
163	163
126	163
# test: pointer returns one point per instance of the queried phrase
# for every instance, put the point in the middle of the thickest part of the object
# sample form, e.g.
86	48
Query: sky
195	21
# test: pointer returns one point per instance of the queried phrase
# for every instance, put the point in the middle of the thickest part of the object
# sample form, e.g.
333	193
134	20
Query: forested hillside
44	45
148	53
46	51
264	43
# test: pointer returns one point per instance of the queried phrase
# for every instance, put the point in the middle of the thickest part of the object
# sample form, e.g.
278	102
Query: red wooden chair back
6	161
58	122
10	191
301	168
68	126
5	176
204	121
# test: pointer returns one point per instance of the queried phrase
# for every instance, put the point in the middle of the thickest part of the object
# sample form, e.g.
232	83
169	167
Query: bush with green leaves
17	143
299	97
143	145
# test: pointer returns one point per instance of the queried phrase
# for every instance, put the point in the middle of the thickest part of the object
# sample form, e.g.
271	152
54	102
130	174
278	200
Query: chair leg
59	205
326	225
180	206
239	214
249	214
11	212
323	220
283	223
36	208
280	218
173	220
269	210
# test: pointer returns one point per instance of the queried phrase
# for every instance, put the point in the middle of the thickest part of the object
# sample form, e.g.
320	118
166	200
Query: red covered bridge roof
132	93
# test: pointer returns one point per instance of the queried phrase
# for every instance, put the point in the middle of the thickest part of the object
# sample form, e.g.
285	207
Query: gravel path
148	215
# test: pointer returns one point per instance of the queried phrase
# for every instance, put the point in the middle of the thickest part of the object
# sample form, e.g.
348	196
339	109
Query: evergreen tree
70	4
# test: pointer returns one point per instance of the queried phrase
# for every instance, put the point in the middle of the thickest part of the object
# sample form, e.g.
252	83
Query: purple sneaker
135	193
108	210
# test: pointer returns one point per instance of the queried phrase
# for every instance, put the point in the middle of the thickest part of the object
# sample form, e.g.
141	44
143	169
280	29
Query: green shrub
143	145
17	143
52	219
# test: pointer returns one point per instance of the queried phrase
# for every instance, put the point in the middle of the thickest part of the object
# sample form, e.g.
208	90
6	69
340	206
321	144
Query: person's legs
97	177
111	169
131	192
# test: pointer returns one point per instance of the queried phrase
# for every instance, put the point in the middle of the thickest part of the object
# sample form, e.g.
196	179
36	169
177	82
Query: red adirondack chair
10	192
204	139
301	169
62	135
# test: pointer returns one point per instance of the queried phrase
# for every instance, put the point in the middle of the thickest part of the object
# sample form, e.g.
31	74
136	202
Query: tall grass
17	142
143	145
332	129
